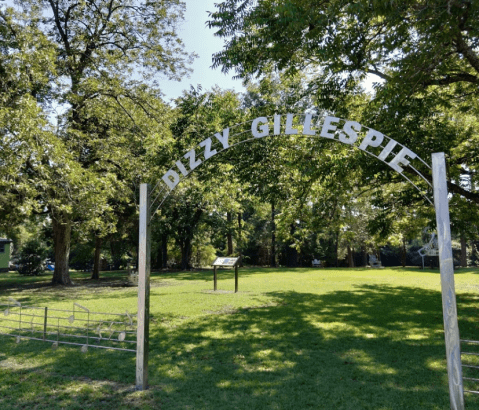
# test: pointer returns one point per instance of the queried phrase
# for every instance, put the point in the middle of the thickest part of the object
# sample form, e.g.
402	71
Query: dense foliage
93	63
425	55
83	124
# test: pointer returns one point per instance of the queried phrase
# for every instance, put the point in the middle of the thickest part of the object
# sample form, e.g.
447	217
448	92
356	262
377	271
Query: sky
199	39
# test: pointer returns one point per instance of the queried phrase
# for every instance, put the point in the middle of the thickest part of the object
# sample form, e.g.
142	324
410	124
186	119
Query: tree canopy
425	56
97	63
82	123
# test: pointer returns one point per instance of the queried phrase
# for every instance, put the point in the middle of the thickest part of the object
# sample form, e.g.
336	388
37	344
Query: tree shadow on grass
369	348
41	378
375	347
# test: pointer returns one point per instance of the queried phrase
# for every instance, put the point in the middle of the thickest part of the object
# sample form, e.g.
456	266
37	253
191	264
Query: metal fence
470	365
76	327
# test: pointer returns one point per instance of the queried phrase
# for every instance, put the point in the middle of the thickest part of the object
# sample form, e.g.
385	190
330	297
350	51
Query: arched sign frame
395	155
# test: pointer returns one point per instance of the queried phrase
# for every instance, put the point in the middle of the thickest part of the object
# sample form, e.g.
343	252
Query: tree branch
454	188
453	78
379	74
467	51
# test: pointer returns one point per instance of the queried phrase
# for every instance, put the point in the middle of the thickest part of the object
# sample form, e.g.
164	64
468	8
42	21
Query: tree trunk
291	252
463	251
96	262
336	249
378	255
291	256
403	253
116	253
239	242
229	235
273	237
365	256
185	237
164	251
185	253
61	225
350	257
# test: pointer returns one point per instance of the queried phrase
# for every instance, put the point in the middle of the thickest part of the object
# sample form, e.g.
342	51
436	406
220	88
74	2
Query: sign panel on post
226	262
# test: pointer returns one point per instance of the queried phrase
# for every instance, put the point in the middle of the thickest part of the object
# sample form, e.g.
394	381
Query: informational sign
226	261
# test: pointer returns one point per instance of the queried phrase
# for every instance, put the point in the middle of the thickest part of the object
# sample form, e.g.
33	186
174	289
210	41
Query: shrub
32	257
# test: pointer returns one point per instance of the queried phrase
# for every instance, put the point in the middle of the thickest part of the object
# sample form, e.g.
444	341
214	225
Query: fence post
45	323
446	263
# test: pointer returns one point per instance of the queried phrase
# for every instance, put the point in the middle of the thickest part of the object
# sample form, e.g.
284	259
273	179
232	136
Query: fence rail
76	327
470	366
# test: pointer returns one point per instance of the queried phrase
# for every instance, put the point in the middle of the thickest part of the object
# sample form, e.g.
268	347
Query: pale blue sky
198	38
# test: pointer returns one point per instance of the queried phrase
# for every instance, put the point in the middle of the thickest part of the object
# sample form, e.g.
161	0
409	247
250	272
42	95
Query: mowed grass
289	339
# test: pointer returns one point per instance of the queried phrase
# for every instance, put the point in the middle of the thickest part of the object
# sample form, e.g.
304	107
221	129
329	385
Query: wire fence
76	327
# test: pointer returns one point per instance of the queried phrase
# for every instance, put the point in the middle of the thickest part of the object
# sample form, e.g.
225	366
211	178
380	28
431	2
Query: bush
81	256
32	257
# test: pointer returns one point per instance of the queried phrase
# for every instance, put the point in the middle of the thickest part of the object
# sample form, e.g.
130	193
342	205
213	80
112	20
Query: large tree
103	55
425	56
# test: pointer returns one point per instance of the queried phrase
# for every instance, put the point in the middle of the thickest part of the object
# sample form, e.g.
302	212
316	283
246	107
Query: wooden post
215	277
143	318
446	264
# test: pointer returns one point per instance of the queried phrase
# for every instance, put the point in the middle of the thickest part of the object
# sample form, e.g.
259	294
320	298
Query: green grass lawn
290	339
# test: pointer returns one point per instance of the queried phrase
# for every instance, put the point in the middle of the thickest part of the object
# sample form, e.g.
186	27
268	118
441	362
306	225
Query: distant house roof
3	240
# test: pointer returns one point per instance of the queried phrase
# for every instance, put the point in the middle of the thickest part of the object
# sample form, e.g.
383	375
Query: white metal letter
307	125
350	129
387	150
328	126
181	167
277	124
264	128
224	139
289	125
400	158
171	179
372	139
207	144
193	161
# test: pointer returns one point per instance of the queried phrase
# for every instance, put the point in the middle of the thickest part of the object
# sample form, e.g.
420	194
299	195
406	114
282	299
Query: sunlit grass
289	339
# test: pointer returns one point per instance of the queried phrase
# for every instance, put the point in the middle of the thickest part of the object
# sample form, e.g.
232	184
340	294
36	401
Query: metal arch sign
352	133
369	140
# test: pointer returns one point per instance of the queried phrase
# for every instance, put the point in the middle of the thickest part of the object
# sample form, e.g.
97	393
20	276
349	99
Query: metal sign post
144	258
451	327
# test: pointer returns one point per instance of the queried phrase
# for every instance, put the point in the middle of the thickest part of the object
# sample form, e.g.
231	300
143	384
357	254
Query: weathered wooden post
446	263
215	278
144	257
